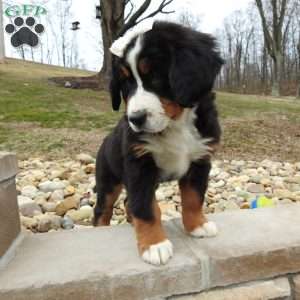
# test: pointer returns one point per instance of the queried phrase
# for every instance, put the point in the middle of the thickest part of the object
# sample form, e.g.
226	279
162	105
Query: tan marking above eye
144	66
172	109
125	72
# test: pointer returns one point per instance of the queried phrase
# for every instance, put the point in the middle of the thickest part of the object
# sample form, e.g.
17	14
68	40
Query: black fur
183	67
115	86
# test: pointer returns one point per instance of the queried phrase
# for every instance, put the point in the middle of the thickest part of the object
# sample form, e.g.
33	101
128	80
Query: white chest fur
177	146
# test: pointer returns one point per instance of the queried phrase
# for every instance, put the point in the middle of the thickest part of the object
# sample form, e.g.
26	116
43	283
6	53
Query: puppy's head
160	72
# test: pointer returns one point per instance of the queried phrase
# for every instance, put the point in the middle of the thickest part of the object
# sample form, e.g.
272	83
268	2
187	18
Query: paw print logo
23	34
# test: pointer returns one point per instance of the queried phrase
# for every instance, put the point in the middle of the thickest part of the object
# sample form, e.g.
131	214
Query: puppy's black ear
115	85
194	68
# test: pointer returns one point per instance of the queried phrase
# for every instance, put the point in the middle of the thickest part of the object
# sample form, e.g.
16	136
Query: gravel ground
58	195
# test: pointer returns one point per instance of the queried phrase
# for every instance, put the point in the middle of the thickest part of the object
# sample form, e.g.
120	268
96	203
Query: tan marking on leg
213	147
172	109
110	200
128	212
149	233
192	214
139	150
125	73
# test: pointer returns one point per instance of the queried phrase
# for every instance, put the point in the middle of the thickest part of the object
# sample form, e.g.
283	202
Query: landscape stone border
255	250
9	212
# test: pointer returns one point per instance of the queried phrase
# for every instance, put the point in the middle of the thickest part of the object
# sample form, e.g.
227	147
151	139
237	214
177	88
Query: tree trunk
238	59
298	75
277	63
264	79
274	38
112	20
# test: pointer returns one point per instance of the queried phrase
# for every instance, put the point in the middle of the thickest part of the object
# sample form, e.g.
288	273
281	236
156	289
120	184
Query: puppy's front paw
158	254
208	229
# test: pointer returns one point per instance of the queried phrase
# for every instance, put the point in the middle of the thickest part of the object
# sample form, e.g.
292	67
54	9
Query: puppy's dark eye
144	66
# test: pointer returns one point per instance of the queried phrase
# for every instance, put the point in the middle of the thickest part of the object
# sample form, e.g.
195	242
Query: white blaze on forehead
118	47
143	100
132	60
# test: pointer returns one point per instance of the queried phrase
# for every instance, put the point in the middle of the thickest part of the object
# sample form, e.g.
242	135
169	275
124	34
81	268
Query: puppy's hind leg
105	203
192	189
108	187
128	212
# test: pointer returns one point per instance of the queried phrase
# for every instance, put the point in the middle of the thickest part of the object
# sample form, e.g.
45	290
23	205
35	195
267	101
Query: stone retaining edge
11	252
8	166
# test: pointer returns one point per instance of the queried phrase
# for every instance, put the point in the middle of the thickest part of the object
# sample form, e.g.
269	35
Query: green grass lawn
27	96
38	118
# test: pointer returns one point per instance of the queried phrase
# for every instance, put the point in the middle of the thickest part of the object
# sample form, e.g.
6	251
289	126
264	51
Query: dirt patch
252	139
94	82
30	140
275	139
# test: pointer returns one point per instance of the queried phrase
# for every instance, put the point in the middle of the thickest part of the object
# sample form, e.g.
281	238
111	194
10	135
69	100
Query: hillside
38	118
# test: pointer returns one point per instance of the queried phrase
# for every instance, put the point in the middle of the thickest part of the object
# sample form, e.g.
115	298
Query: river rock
44	224
49	206
51	186
85	212
294	179
85	158
90	169
57	196
283	193
29	208
231	205
255	188
29	191
67	223
218	184
69	191
67	204
41	197
38	175
23	200
29	223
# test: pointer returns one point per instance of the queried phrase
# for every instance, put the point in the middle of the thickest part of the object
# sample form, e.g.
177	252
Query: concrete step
9	212
103	263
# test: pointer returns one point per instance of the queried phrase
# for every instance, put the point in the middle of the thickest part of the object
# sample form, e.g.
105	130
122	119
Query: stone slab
98	263
9	215
266	290
251	245
103	263
8	165
296	287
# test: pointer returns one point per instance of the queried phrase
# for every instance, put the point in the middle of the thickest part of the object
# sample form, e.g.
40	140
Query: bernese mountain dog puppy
165	75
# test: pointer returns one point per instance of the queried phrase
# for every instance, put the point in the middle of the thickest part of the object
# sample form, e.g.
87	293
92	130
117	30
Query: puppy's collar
119	45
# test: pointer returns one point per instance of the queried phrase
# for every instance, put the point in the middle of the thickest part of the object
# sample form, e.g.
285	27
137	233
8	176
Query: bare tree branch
266	31
160	9
286	29
282	13
132	20
121	15
131	9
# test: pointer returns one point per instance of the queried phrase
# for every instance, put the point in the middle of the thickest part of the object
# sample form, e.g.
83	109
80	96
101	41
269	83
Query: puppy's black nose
138	118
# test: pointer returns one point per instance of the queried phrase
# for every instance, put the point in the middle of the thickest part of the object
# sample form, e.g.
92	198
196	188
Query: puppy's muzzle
138	118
